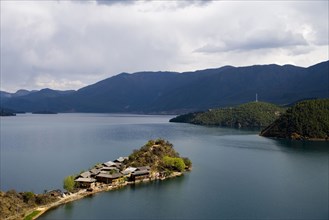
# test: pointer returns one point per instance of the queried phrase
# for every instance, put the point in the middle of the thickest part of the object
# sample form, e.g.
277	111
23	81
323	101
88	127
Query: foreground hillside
250	115
15	205
177	93
305	120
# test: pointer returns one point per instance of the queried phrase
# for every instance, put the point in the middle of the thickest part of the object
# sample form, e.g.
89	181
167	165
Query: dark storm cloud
255	41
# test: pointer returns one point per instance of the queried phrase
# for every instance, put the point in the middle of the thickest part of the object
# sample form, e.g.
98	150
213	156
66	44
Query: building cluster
112	173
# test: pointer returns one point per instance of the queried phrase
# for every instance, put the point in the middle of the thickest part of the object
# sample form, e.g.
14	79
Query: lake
236	173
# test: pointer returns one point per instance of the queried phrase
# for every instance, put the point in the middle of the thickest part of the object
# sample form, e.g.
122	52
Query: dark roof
85	180
109	168
128	170
110	176
121	159
141	172
94	171
143	168
109	163
85	174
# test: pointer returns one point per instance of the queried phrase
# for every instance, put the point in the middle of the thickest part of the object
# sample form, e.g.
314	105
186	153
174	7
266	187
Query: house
112	164
85	182
140	174
121	159
110	170
109	178
109	164
86	174
128	171
94	172
55	192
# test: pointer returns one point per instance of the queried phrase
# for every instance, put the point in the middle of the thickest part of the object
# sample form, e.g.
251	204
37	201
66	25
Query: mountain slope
250	115
171	92
305	120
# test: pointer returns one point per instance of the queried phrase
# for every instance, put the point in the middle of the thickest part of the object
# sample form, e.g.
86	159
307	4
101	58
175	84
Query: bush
187	162
68	183
28	196
174	163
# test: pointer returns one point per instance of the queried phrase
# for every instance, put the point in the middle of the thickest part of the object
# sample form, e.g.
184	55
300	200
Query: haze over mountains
172	92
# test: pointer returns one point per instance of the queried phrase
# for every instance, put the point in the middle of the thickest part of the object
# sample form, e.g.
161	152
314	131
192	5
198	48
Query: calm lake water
236	174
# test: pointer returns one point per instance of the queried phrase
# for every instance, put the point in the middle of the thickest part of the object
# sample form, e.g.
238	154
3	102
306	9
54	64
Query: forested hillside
250	115
305	120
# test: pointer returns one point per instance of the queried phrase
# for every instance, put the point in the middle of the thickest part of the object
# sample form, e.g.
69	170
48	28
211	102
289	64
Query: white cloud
72	43
47	81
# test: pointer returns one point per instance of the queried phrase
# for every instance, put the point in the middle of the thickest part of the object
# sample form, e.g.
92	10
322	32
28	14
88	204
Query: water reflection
303	146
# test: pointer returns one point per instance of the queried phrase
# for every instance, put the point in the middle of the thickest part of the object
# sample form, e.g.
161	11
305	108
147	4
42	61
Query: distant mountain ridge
172	92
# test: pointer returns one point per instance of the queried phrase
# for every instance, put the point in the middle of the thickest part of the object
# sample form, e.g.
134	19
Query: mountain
30	101
305	120
172	92
249	115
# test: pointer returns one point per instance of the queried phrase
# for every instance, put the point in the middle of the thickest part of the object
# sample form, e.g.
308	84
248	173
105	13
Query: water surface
236	174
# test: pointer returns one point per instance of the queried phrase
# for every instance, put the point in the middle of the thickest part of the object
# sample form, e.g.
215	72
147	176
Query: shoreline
84	193
294	139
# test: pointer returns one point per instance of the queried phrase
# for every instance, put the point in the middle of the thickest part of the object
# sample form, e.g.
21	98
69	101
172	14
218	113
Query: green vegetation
250	115
305	120
28	196
174	163
32	215
68	183
20	203
160	156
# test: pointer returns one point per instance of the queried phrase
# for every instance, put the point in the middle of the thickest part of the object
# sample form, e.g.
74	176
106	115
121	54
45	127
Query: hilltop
178	93
249	115
305	120
160	156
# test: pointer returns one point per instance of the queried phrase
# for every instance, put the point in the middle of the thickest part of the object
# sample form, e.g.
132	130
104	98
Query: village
113	174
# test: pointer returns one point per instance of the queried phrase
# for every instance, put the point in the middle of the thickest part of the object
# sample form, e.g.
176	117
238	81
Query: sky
70	44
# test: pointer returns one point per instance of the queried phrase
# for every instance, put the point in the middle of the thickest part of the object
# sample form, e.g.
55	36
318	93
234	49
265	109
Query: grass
32	215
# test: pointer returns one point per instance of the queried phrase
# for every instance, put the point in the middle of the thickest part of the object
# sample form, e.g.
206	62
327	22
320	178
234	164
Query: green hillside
305	120
250	115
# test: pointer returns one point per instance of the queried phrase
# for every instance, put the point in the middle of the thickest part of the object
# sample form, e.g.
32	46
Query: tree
187	162
174	163
69	183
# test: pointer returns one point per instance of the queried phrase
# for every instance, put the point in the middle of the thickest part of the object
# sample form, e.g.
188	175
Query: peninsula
249	115
306	120
156	160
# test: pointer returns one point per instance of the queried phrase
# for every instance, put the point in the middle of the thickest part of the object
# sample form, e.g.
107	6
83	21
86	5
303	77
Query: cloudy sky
70	44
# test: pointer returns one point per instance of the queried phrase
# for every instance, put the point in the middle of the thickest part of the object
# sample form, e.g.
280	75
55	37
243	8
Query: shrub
68	183
174	163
